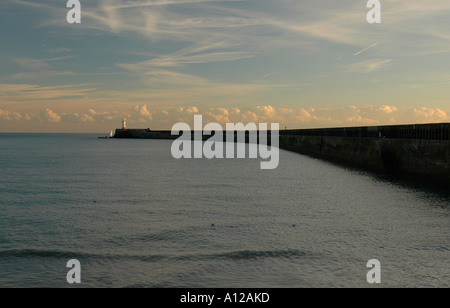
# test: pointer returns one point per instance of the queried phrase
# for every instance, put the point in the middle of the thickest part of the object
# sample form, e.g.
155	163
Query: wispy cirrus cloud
366	49
41	74
169	54
369	66
31	63
16	93
190	20
58	50
38	63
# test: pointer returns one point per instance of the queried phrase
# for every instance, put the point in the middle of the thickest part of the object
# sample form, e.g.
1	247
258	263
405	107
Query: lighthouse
124	124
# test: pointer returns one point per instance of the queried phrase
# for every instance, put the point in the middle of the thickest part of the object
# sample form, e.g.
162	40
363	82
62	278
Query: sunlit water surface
135	217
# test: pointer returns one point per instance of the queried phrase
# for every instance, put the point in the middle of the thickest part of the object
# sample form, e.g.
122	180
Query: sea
135	217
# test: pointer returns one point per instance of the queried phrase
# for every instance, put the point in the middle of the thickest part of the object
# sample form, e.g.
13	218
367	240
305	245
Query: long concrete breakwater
417	151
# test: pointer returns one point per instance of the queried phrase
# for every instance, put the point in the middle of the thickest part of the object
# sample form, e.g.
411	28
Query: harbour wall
414	151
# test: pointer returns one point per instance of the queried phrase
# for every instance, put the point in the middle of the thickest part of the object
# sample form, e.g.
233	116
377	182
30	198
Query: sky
300	63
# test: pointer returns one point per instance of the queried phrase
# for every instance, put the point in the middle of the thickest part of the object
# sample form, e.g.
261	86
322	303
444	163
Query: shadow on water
426	189
423	188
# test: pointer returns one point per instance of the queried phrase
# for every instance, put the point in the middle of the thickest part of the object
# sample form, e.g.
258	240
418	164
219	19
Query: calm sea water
135	217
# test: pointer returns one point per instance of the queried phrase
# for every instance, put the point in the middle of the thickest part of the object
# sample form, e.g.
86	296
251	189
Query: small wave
432	248
38	253
254	254
67	255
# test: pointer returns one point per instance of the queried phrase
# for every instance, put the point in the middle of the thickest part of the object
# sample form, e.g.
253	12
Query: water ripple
233	255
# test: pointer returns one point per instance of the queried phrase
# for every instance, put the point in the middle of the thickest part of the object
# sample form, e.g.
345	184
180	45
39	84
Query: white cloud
388	109
369	66
50	116
142	116
10	116
428	115
143	112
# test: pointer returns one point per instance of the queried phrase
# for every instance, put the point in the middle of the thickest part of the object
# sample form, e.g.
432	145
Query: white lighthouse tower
124	124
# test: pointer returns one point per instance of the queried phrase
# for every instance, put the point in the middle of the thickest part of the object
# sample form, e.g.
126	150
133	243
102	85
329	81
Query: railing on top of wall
418	131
